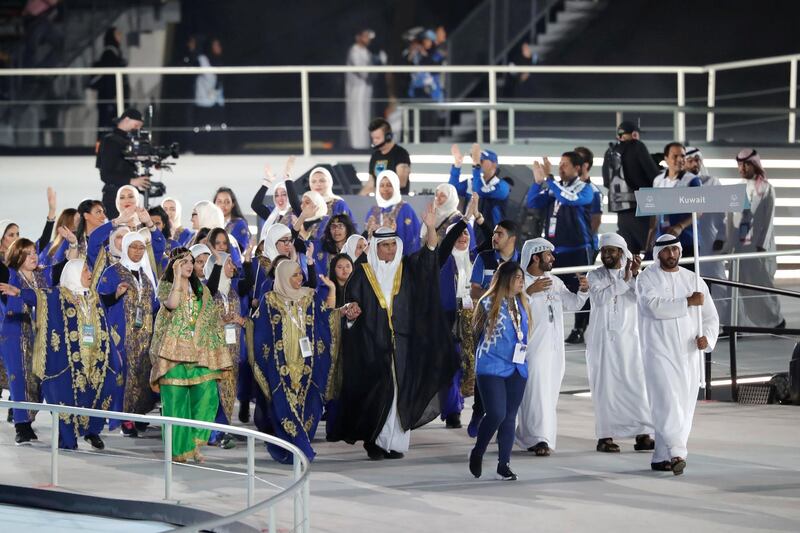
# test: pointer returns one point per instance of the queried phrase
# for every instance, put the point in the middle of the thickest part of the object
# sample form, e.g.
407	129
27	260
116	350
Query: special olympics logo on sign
735	200
649	202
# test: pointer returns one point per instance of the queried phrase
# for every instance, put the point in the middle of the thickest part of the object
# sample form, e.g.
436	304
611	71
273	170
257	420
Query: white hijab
112	248
446	210
384	271
71	277
143	266
274	234
464	266
276	213
199	249
136	195
319	202
327	194
450	207
351	244
395	181
209	216
224	281
176	220
4	224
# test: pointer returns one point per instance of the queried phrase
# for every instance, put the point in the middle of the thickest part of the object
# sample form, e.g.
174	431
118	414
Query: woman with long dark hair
340	268
235	223
92	216
501	323
338	229
189	355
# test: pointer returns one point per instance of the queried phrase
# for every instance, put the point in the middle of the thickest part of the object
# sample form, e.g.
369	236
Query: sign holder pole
696	246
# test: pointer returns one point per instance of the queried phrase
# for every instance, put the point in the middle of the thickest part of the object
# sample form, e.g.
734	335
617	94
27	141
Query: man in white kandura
613	353
671	343
547	297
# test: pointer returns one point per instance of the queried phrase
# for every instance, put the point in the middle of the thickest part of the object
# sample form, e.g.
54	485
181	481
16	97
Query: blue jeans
501	398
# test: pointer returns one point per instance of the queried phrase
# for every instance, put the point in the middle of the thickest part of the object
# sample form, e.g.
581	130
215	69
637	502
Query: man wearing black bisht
397	351
115	170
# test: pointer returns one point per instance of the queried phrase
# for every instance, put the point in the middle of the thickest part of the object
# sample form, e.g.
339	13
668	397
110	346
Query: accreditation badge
87	335
305	347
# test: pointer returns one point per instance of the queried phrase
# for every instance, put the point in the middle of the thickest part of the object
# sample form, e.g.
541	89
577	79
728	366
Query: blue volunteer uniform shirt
485	265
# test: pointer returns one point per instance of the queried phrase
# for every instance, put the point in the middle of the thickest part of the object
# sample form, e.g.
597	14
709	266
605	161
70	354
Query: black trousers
634	230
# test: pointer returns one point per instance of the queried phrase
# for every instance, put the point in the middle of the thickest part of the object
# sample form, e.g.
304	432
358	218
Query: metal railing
490	71
299	487
411	113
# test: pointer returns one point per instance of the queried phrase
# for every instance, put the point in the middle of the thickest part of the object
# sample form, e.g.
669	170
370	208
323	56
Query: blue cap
429	34
488	155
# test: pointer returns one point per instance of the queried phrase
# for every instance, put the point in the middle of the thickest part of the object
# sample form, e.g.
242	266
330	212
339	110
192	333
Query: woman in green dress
189	355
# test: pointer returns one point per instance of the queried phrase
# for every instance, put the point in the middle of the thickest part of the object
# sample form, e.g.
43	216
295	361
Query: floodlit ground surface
743	473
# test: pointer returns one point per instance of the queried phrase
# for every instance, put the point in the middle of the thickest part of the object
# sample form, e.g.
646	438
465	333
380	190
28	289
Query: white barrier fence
299	488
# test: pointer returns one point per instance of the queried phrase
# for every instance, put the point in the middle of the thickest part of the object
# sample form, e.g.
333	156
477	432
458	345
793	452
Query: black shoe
453	421
391	454
575	337
24	432
10	417
141	427
244	412
95	441
374	452
227	442
504	473
607	446
475	463
782	325
129	430
663	466
644	443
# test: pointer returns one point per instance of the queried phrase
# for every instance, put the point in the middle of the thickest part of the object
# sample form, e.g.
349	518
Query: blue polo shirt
485	264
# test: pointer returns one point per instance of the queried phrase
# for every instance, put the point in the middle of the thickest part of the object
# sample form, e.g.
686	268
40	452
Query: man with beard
397	351
753	230
669	299
547	299
613	355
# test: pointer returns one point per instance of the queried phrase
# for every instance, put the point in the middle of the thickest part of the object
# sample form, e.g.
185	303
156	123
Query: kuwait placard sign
713	199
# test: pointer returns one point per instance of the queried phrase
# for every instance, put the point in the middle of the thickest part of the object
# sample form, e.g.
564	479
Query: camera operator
115	170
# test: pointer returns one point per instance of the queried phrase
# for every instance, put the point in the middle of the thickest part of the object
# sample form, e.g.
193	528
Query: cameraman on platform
115	170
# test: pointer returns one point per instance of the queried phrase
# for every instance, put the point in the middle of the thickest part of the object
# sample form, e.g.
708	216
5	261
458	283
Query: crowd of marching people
374	326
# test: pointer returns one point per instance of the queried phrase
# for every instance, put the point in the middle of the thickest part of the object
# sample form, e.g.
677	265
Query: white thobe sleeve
569	300
604	288
650	295
710	318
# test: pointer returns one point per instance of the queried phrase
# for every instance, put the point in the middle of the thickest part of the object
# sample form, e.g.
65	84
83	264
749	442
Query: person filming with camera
115	170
